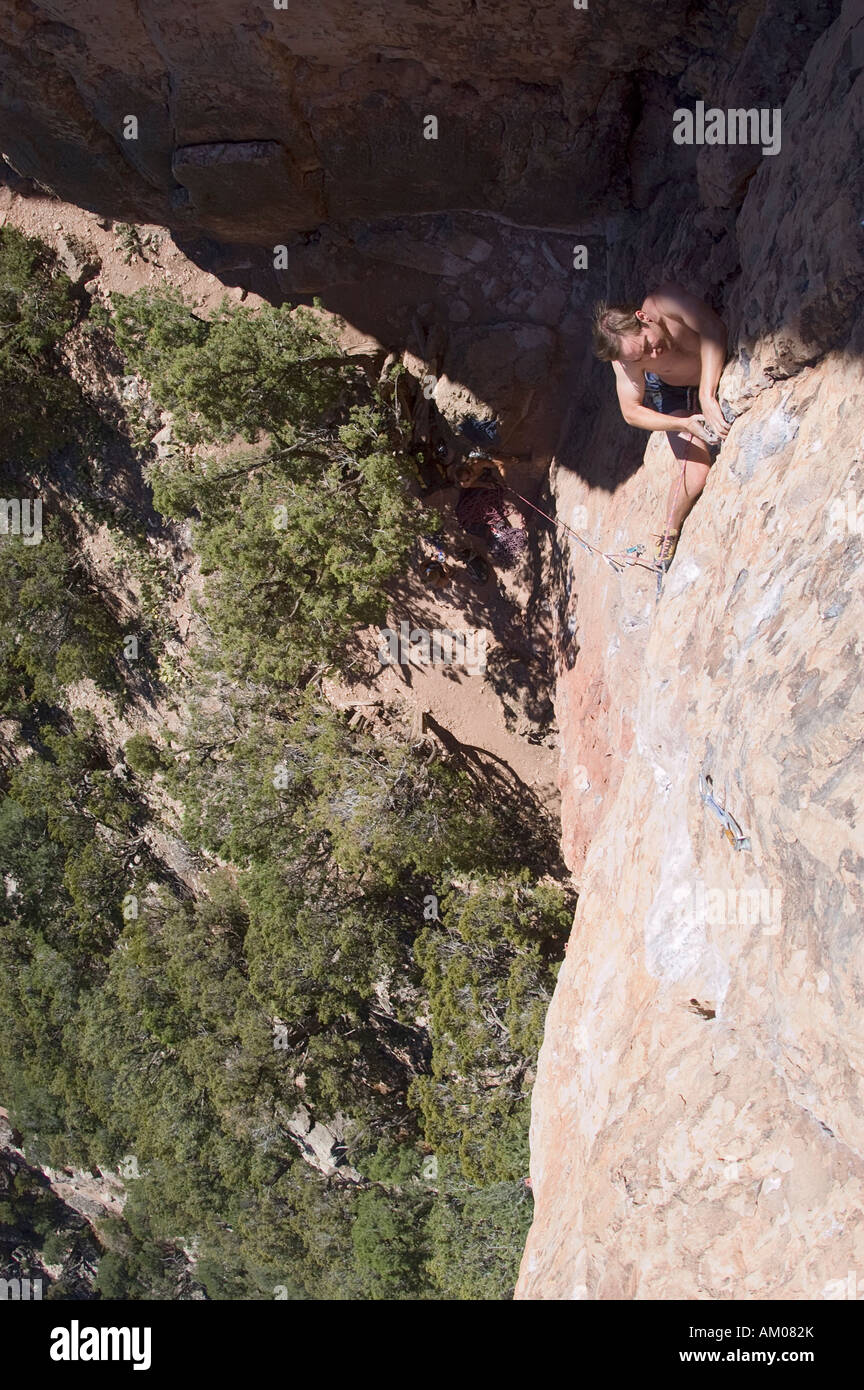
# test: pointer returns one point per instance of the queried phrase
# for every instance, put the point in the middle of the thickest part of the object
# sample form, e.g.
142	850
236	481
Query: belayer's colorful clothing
481	512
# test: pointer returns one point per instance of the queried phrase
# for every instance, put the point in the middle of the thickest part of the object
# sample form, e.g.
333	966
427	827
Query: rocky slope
74	1204
698	1109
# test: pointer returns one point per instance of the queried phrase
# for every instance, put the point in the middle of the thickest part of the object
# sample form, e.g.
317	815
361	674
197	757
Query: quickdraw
731	829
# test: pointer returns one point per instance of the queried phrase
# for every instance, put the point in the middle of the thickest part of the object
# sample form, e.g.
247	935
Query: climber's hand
697	425
714	415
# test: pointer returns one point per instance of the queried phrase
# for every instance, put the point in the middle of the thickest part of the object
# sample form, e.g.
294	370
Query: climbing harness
731	829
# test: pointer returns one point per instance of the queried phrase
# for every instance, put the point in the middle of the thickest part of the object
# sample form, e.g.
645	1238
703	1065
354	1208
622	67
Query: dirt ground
499	718
490	700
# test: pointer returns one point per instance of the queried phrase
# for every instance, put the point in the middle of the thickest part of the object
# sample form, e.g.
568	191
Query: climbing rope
617	559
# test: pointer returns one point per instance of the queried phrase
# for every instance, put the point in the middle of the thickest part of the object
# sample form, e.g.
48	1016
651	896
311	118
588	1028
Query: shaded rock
265	189
511	359
800	234
163	441
78	262
402	249
321	118
322	1145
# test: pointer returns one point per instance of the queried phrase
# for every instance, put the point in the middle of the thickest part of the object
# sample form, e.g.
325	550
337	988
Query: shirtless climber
667	357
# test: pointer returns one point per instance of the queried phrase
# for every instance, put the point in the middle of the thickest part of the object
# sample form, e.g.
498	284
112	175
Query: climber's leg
696	459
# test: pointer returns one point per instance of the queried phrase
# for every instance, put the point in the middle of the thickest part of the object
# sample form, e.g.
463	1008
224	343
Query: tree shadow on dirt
519	812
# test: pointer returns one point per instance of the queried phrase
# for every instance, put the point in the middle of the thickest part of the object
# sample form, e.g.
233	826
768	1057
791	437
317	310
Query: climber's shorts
659	395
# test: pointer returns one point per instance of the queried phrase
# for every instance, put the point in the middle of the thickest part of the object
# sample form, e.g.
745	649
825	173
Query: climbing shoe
664	550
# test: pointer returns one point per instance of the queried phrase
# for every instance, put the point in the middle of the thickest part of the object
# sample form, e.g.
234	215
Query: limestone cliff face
699	1111
698	1121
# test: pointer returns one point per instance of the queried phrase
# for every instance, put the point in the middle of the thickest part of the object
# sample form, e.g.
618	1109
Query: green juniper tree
182	1027
37	309
300	535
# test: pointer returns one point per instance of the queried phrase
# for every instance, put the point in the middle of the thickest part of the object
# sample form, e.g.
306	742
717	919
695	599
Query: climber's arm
673	301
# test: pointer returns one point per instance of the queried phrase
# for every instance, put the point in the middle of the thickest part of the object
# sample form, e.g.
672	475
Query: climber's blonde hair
612	322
